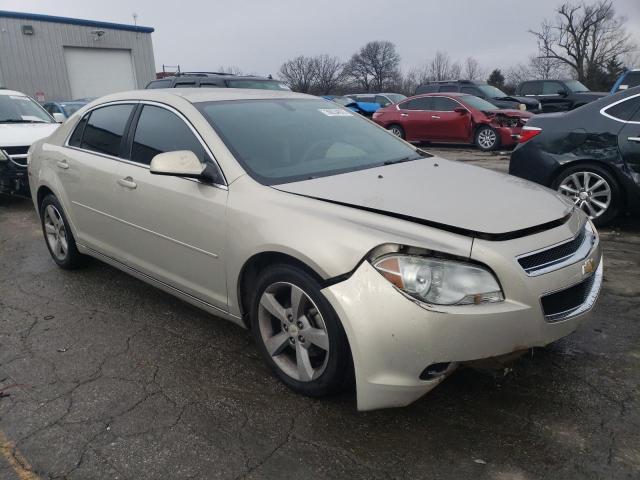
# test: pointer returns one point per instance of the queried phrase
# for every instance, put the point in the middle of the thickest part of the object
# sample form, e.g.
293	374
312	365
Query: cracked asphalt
105	377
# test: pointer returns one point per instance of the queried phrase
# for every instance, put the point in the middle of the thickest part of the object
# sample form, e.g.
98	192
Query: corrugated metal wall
35	63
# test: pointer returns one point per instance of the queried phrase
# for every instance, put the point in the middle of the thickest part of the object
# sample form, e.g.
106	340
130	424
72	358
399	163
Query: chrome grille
560	255
17	155
574	300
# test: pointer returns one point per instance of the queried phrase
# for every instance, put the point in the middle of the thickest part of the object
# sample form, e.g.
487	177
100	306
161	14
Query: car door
88	173
554	97
629	137
415	118
449	125
176	227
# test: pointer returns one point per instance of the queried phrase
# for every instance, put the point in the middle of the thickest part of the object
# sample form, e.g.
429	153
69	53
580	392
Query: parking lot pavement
103	376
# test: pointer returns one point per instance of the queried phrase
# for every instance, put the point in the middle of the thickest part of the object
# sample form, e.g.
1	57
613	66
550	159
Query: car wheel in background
298	332
592	189
58	236
487	138
397	130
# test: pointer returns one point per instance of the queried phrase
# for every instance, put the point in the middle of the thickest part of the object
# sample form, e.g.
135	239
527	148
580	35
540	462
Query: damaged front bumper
13	178
395	340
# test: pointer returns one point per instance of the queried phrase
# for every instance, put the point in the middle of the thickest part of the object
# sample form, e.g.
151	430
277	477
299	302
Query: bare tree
440	67
328	73
543	68
472	69
374	65
455	71
299	73
584	37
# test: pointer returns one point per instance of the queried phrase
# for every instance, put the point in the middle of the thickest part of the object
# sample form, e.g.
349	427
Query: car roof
442	94
198	95
210	75
11	92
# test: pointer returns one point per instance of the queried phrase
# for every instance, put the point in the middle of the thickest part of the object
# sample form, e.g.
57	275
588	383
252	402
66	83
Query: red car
453	118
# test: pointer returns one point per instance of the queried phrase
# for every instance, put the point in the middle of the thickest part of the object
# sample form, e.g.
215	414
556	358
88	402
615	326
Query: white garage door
94	72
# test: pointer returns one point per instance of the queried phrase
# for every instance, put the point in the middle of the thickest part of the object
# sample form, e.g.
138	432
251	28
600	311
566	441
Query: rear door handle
127	183
634	139
436	117
62	164
404	114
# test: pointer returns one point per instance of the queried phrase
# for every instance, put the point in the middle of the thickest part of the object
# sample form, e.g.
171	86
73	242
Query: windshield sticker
335	112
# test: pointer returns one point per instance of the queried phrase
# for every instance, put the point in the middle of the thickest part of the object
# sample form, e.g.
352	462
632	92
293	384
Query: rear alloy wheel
58	236
298	332
397	130
592	190
487	139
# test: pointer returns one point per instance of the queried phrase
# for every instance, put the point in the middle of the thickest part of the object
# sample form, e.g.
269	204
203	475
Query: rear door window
471	91
159	131
425	103
625	110
530	88
449	88
105	129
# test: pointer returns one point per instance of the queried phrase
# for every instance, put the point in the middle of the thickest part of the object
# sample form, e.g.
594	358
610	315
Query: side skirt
187	297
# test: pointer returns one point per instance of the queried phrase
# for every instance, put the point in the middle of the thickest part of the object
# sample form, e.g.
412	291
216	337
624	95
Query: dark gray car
558	95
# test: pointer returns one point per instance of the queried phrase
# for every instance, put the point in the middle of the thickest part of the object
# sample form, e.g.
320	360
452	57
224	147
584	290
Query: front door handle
404	114
634	139
62	164
435	117
127	183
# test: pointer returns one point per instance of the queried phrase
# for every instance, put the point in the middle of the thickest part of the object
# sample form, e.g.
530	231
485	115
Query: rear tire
58	236
298	333
592	189
487	139
397	130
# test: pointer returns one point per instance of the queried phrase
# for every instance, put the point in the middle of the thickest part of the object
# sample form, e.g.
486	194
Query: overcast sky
258	35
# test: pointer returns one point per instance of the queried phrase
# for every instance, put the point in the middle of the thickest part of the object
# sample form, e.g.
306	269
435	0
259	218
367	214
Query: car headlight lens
440	281
3	156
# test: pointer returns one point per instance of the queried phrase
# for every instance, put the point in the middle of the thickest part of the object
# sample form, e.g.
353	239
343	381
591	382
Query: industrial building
57	58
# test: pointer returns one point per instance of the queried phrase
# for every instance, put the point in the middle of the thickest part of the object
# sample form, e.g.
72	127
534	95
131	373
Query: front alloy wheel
487	139
293	331
298	332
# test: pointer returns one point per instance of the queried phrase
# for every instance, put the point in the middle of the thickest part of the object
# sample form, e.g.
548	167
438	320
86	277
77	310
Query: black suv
480	89
558	95
216	79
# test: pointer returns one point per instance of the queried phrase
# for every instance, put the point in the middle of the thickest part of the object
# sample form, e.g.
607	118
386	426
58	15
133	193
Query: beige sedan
350	254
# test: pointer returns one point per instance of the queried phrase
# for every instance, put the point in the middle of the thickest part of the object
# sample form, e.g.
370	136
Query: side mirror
59	117
460	110
181	163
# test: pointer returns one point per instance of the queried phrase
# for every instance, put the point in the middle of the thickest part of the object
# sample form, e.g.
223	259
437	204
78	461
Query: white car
22	122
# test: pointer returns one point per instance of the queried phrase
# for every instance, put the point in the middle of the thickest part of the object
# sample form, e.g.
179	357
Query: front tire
487	139
298	333
58	236
592	189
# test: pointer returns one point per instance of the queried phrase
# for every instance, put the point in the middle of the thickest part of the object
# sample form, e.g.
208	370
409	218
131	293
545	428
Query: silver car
350	254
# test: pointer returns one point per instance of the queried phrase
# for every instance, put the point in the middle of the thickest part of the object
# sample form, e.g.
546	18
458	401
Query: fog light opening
435	370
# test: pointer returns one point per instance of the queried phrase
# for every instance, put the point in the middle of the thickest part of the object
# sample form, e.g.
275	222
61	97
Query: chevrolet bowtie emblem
588	267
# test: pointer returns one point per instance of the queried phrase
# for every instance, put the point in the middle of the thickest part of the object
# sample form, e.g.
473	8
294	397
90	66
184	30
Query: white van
22	122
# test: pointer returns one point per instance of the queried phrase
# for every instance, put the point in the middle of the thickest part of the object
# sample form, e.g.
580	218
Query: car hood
24	134
450	195
508	112
525	100
593	95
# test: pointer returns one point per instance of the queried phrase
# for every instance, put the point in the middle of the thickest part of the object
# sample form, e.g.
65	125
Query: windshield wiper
402	160
15	120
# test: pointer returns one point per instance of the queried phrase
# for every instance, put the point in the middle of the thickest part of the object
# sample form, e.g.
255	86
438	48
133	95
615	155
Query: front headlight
3	156
440	281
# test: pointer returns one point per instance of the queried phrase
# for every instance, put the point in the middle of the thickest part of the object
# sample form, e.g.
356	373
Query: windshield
286	140
575	86
395	97
477	103
491	91
259	84
71	108
21	109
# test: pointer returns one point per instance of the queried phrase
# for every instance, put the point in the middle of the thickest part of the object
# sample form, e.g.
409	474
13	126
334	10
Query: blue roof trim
75	21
